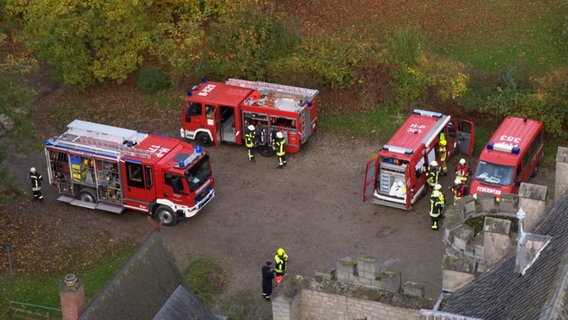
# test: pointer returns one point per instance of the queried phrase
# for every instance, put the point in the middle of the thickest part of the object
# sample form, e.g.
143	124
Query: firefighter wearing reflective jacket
280	261
36	179
458	189
443	152
433	173
462	171
436	205
250	135
279	148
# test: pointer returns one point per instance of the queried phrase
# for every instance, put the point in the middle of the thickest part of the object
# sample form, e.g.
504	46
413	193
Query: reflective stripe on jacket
279	144
249	139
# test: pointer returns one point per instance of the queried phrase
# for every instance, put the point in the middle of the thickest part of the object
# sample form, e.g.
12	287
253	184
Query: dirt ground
313	209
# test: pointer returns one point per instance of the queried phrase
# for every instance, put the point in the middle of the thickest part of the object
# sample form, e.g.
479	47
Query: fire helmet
279	135
251	127
437	186
434	163
462	161
280	252
457	181
32	170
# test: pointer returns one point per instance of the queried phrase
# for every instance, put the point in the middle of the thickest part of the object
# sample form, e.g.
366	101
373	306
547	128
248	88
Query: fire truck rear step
390	204
65	198
110	207
90	205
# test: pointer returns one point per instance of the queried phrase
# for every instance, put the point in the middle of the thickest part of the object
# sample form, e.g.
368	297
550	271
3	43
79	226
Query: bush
410	75
151	79
546	100
245	40
333	61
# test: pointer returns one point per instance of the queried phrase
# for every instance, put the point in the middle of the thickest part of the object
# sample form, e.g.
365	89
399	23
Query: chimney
72	296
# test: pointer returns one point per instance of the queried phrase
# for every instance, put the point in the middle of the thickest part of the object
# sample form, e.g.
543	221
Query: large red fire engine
103	167
215	111
396	176
510	157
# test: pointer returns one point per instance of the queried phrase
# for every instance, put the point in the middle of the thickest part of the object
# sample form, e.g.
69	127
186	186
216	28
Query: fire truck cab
215	112
396	176
108	168
510	157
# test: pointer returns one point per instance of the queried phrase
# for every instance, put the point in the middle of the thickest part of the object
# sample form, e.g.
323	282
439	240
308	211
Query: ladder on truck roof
308	94
103	139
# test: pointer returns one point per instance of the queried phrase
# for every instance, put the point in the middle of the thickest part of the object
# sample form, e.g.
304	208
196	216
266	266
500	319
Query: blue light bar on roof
398	149
503	148
187	161
427	113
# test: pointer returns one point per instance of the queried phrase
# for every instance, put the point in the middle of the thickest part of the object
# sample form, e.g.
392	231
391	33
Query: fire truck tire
203	139
266	151
87	195
166	215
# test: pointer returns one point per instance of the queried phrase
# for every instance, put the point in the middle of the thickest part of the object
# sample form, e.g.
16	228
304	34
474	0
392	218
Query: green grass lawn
43	290
487	35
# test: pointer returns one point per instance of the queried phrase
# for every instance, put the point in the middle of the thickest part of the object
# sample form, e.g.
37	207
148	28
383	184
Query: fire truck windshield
198	174
494	173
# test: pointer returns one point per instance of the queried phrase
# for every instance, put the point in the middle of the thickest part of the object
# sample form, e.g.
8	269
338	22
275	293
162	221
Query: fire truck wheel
166	215
266	151
87	196
203	139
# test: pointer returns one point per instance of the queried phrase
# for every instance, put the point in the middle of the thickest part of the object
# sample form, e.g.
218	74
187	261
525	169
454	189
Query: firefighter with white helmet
36	179
462	171
250	135
278	145
458	189
433	173
437	203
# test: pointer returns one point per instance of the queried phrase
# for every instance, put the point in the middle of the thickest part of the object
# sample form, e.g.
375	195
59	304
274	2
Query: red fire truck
215	111
396	176
510	157
103	167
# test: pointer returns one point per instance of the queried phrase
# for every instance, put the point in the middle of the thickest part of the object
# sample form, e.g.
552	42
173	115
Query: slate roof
149	281
182	304
540	293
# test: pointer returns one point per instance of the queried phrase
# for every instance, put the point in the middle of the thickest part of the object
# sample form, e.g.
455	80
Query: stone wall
469	253
354	290
561	183
323	305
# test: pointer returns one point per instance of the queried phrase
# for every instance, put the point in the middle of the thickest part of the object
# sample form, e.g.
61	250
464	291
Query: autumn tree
97	40
247	38
16	129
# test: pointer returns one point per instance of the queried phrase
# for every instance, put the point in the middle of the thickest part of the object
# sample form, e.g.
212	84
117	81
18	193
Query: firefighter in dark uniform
250	135
433	173
267	278
36	179
436	205
280	259
279	148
